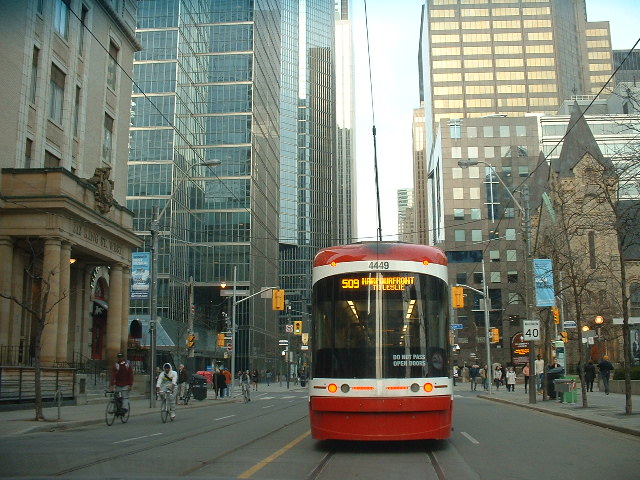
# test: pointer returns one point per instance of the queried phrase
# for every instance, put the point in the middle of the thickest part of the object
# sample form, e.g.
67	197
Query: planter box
617	386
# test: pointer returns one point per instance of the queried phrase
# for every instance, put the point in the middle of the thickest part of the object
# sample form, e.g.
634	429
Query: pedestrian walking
221	382
183	381
268	377
589	375
484	374
511	379
254	379
538	367
525	373
497	376
474	373
227	381
605	368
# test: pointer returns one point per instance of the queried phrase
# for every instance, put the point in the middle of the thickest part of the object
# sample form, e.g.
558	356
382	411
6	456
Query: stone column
6	265
17	329
50	284
126	295
62	355
114	315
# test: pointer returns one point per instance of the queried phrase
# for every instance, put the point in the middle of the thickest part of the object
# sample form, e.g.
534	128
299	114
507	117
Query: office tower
65	235
406	221
345	118
248	85
630	69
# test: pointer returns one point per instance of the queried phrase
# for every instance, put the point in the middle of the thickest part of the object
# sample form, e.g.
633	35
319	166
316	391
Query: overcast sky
393	37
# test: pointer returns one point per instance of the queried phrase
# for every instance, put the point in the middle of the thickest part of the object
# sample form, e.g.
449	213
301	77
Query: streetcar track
315	473
185	436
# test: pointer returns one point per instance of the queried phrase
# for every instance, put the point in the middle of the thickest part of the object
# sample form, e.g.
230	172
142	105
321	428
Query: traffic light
565	336
458	297
495	338
191	341
556	315
278	299
221	339
297	327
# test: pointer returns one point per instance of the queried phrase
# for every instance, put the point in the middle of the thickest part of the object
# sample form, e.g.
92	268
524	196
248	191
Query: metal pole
153	304
288	362
190	350
528	291
487	342
233	330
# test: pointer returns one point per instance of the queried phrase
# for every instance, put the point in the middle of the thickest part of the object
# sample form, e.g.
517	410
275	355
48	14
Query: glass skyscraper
248	83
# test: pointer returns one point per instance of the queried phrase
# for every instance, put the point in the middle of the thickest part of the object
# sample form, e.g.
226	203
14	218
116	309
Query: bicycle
188	394
114	408
164	407
245	392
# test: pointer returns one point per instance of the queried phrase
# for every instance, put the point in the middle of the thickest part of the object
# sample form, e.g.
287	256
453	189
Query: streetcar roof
370	251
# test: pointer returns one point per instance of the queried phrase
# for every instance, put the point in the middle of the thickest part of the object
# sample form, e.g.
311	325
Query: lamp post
526	213
599	320
153	297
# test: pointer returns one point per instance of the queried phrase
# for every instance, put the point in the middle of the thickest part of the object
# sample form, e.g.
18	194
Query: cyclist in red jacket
122	379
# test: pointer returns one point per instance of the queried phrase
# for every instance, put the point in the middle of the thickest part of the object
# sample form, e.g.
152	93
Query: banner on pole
543	274
140	275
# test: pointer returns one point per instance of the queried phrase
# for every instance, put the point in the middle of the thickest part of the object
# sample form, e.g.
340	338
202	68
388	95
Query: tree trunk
37	375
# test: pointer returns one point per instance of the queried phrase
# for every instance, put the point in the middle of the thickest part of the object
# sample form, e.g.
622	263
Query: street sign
531	330
304	347
283	342
229	346
570	324
229	293
288	328
456	326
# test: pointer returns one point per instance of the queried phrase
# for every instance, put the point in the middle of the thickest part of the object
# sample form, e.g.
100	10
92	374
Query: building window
504	130
494	234
495	277
107	141
459	235
506	172
50	160
494	255
505	151
461	277
509	212
83	22
512	276
512	255
474	193
27	153
112	65
455	127
592	249
76	112
634	292
521	131
487	131
458	213
61	17
476	214
34	74
523	151
489	152
456	152
456	172
472	132
510	234
56	96
523	170
474	172
472	152
477	277
514	298
458	193
476	235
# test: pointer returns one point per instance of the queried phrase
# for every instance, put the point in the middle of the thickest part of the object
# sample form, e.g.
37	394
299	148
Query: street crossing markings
223	418
271	458
137	438
470	438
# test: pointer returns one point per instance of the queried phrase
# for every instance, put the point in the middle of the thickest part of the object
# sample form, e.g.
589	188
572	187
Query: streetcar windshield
380	325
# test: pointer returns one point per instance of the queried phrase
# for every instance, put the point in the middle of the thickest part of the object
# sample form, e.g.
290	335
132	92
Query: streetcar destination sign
380	282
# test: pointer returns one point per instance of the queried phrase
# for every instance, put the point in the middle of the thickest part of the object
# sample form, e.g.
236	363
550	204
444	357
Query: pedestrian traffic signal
278	299
458	297
556	315
565	336
221	339
191	341
297	327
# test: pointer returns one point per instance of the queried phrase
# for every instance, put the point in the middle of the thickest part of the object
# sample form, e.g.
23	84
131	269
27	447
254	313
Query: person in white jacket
167	383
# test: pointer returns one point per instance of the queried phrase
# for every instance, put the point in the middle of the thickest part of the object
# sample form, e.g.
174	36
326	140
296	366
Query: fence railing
17	384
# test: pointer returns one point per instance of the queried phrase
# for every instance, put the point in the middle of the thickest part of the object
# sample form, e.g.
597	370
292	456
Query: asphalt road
268	438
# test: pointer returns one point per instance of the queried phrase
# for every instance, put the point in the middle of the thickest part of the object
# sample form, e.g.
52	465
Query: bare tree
39	308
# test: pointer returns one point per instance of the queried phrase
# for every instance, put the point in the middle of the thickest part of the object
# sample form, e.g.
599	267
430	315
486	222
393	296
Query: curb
628	431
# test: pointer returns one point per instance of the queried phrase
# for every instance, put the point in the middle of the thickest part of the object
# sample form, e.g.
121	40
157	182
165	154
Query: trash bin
551	375
570	394
199	386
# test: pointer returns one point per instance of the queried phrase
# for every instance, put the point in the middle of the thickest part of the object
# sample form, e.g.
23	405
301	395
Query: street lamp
599	320
153	297
526	213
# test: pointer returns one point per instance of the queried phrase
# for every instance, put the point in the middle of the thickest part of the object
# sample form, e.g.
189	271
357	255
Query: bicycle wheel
124	418
187	395
110	413
164	410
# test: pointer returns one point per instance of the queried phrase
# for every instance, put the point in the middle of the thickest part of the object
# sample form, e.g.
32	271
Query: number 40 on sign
530	330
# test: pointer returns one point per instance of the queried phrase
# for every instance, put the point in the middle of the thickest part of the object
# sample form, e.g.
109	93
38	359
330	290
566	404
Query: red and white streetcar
380	343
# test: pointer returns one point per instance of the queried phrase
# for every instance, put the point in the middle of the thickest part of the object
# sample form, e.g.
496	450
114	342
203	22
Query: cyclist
167	383
245	378
122	379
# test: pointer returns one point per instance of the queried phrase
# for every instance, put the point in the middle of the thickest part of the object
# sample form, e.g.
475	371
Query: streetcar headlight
333	388
428	387
415	387
344	388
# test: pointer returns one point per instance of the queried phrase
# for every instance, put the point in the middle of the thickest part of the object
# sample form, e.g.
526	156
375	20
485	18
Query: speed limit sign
530	330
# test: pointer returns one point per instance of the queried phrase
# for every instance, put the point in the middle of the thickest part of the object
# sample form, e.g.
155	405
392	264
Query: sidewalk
15	422
604	410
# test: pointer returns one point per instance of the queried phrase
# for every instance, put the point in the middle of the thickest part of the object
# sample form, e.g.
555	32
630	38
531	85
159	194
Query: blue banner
543	273
140	275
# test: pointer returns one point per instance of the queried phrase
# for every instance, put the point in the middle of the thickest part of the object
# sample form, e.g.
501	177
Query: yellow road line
272	457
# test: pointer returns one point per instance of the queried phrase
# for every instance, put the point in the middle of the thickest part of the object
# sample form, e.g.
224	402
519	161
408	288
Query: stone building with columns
65	237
